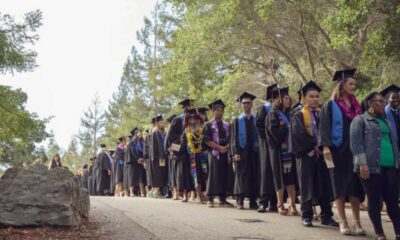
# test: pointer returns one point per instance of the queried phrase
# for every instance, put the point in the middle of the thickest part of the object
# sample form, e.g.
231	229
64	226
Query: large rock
34	195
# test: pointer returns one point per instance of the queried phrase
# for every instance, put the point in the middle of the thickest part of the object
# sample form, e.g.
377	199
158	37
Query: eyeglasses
246	103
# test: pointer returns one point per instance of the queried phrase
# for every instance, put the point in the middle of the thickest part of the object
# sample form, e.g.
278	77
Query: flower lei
194	142
348	112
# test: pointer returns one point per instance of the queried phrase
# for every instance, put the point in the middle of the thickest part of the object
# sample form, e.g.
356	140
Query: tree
20	129
15	38
92	127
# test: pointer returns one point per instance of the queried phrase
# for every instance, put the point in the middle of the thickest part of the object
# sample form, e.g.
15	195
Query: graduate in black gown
172	165
244	149
283	164
312	172
392	96
220	175
195	152
157	158
117	175
267	188
102	171
184	182
139	173
334	136
84	177
130	158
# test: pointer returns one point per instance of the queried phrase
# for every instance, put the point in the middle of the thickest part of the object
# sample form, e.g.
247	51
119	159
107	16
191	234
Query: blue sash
242	132
337	125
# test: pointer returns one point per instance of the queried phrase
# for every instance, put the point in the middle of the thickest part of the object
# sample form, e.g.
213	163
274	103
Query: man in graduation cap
157	158
131	162
117	175
220	175
313	174
267	188
244	148
173	139
392	113
102	169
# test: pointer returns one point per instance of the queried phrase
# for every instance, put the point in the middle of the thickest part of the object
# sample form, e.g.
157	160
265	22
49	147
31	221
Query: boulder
35	196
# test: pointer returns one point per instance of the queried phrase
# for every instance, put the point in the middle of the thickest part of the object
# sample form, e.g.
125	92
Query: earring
371	110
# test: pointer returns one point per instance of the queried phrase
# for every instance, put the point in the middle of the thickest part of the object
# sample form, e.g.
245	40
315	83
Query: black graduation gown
220	174
276	131
180	162
139	173
344	180
267	187
158	173
103	165
90	180
118	167
313	175
128	168
172	164
246	170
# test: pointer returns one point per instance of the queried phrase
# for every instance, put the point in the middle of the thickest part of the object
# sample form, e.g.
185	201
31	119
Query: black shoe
253	205
261	209
330	222
307	222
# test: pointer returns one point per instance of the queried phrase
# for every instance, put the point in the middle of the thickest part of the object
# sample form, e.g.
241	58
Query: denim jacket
365	143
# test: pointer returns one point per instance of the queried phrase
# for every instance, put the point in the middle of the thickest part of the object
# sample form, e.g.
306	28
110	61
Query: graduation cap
186	103
342	74
171	118
85	166
215	104
246	95
103	146
157	119
202	110
133	132
279	92
192	111
269	91
392	88
147	131
311	85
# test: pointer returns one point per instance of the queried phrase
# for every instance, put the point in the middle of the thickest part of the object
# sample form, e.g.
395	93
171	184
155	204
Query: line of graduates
282	151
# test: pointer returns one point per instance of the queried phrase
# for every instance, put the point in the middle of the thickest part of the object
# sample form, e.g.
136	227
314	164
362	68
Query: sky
81	52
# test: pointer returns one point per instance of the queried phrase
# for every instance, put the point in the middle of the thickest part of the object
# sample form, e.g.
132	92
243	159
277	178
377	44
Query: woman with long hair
282	162
55	161
334	136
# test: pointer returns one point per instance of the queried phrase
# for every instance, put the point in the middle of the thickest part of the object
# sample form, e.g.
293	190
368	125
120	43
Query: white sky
82	48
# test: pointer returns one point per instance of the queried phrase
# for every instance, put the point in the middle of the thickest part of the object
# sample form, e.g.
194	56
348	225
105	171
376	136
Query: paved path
144	218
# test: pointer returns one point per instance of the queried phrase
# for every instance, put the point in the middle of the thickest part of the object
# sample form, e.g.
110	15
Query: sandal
293	211
358	231
282	210
344	230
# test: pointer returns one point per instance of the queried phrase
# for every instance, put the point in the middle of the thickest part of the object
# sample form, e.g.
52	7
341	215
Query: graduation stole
194	140
309	122
284	120
195	170
392	122
242	132
215	134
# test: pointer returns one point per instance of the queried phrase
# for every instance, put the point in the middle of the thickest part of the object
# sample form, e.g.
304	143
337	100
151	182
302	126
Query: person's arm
274	128
357	146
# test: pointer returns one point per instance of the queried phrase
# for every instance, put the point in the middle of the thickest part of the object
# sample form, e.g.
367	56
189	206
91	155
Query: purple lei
348	111
215	134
